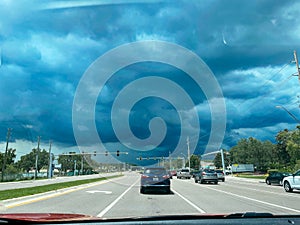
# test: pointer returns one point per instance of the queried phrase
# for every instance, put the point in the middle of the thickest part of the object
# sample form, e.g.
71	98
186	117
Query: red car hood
46	217
61	217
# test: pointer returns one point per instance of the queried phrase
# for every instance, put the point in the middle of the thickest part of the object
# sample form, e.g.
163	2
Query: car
155	178
113	85
276	177
184	173
193	172
220	175
206	176
172	173
292	182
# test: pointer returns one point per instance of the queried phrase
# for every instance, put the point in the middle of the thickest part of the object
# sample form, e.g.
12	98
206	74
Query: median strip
20	192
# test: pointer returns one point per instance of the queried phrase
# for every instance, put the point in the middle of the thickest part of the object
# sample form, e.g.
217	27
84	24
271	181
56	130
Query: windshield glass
95	92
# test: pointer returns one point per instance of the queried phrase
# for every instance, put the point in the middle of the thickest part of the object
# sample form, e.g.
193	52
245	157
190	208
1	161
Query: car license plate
155	178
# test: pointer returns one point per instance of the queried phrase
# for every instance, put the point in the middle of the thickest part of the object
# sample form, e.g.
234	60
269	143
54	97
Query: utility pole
297	65
37	158
188	151
82	164
170	160
74	167
5	154
50	162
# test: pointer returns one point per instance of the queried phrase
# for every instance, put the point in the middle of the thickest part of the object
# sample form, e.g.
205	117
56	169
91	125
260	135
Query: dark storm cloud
245	44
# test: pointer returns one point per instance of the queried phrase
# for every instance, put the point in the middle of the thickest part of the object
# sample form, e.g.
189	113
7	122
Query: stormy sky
48	48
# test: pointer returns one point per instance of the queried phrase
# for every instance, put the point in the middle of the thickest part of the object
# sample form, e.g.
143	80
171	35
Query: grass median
20	192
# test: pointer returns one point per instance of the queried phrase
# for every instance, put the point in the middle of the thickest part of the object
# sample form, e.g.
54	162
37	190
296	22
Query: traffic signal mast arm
94	153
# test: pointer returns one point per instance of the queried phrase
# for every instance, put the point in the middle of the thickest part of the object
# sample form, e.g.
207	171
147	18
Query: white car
292	182
184	173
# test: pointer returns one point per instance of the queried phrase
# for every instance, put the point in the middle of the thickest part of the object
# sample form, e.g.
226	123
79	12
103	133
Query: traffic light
118	153
140	157
94	153
106	153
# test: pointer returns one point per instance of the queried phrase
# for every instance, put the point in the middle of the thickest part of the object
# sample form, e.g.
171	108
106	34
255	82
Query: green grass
20	192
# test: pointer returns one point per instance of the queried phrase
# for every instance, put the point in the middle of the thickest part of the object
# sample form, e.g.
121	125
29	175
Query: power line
267	94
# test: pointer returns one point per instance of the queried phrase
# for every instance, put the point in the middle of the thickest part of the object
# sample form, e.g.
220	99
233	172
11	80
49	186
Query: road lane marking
48	195
259	190
254	200
189	202
104	211
96	191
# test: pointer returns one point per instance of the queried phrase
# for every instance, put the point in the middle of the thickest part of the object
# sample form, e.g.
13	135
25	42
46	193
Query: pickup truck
184	173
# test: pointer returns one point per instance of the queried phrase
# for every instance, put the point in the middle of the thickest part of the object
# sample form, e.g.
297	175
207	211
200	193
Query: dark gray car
206	176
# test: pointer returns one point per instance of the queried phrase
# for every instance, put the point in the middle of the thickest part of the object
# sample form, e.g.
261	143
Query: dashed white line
260	190
104	211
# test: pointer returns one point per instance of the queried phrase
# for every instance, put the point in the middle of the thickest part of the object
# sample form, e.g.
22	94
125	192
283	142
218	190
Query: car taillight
203	173
144	176
166	176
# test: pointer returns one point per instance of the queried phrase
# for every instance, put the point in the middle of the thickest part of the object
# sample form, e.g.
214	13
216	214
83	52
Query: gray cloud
46	52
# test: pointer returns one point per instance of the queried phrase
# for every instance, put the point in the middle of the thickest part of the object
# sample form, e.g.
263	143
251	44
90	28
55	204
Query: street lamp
292	115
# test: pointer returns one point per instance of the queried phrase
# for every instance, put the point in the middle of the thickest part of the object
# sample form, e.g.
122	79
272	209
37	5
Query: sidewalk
252	180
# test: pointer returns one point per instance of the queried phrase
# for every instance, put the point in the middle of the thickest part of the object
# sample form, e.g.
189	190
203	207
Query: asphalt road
120	197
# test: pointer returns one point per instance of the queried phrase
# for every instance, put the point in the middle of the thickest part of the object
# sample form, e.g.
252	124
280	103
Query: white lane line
11	203
259	190
97	191
189	202
104	211
47	195
254	200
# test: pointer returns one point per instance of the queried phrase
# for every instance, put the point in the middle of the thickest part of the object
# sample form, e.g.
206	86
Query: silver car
206	176
221	175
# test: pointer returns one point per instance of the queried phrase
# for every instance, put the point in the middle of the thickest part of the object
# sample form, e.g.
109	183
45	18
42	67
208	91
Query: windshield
94	92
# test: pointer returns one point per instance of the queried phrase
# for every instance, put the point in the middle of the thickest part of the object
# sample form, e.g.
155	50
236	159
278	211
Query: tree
253	151
293	146
11	169
28	161
281	153
10	157
195	162
68	162
218	160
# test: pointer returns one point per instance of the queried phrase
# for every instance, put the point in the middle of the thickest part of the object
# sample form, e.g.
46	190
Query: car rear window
155	171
